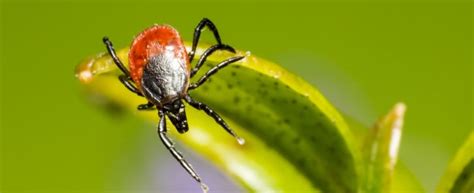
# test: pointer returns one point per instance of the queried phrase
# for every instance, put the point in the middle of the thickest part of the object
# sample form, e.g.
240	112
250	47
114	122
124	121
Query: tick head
177	116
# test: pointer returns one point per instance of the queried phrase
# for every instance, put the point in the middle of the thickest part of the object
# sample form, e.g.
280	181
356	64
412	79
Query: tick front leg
213	114
214	70
126	81
176	154
125	78
207	53
111	50
197	33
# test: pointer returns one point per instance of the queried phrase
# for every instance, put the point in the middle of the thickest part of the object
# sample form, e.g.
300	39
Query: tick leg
146	106
126	81
197	33
207	53
214	70
213	114
170	146
111	50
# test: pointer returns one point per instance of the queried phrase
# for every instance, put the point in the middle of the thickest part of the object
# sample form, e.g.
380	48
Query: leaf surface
295	139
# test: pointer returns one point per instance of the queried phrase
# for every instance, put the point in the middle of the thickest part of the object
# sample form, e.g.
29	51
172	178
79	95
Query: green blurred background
363	55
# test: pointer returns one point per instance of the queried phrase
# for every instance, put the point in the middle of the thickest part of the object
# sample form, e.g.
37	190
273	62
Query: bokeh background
363	55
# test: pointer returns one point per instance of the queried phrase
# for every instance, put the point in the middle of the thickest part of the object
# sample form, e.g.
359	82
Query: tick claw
241	140
204	188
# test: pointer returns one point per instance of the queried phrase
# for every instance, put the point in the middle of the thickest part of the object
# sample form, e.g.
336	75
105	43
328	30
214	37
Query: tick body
160	70
159	64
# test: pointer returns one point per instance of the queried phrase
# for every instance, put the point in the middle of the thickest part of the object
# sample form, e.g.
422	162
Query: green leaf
398	179
459	176
296	141
380	151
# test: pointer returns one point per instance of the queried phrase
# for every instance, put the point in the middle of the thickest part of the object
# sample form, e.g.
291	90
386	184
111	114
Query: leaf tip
399	110
397	114
83	71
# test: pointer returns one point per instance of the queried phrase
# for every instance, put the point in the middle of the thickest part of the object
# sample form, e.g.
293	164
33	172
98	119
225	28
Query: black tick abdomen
165	78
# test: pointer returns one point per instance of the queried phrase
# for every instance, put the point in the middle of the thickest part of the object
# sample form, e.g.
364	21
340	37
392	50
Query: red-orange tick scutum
154	41
160	71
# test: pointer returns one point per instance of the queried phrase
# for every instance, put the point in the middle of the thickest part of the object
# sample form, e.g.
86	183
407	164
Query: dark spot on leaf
236	99
275	83
331	148
301	161
273	100
278	135
312	138
249	108
296	140
319	125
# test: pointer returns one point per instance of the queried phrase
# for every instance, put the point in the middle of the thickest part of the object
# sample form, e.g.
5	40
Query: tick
160	71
